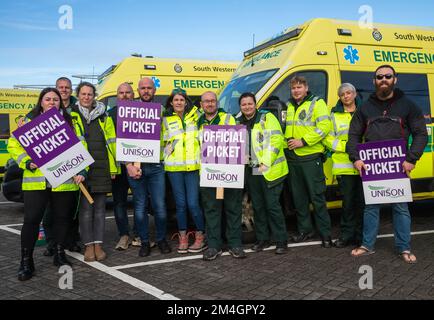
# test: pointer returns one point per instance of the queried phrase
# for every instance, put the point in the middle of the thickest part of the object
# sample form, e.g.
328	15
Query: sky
41	40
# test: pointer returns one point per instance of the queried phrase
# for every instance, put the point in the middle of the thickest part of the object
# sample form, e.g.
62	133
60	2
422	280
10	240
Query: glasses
209	101
382	76
179	91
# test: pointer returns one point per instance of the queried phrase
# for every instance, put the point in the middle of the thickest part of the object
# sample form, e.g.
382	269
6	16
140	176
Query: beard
384	92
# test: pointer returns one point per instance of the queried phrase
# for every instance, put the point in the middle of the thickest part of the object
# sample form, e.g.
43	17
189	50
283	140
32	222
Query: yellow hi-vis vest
268	145
35	180
109	131
311	122
183	135
336	141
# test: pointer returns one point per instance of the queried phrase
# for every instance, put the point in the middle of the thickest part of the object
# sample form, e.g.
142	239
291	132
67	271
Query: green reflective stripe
21	157
34	179
335	144
343	166
319	119
279	160
332	133
320	132
227	119
289	123
272	132
111	140
343	133
257	149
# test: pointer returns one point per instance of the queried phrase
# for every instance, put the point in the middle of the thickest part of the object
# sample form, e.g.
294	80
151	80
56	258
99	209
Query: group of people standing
297	153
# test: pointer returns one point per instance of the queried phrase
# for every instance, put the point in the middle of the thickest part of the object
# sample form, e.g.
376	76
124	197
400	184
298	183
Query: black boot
49	251
59	258
27	267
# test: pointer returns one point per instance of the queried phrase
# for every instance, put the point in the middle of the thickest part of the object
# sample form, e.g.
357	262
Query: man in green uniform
307	124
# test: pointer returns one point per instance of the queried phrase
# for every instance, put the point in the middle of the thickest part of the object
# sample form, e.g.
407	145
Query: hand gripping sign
53	147
223	156
138	131
384	180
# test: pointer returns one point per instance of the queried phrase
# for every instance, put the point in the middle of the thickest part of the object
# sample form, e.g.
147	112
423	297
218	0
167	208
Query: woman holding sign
182	163
97	127
38	193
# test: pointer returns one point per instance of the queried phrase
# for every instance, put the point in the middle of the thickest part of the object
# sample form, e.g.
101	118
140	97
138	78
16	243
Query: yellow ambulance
14	104
330	52
194	76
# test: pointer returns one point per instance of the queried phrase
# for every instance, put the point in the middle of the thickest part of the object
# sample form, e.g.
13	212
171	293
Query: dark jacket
98	178
412	123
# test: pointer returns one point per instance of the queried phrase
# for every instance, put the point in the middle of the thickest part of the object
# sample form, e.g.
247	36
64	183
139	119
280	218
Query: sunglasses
382	76
179	90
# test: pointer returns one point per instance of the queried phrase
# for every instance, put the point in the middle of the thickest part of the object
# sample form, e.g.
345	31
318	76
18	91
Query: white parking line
143	286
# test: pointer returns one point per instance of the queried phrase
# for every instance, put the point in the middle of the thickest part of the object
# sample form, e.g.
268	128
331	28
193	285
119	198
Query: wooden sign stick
220	193
86	193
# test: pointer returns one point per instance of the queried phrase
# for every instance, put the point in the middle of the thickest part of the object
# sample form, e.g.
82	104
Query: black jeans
35	203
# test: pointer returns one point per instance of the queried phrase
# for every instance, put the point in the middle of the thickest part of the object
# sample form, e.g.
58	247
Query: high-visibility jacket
34	180
183	135
222	119
336	141
268	145
309	122
107	127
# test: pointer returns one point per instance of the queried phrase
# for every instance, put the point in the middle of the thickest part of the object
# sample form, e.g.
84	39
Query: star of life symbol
351	54
156	82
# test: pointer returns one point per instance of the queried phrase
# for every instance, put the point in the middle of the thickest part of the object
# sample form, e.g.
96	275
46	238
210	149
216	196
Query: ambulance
330	52
14	104
194	76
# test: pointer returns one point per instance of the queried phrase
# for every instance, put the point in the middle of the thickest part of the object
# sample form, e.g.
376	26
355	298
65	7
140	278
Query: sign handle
86	193
220	193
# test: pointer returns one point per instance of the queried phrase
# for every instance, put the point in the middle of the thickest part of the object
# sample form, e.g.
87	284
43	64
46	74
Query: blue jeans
185	188
152	181
401	226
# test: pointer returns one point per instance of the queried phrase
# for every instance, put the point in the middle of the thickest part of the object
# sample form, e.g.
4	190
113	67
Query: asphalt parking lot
306	272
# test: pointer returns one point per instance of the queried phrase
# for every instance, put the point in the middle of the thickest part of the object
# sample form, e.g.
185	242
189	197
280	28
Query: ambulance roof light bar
292	34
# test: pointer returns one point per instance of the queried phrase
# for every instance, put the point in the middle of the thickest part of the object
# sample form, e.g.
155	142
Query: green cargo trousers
212	208
267	210
308	185
353	204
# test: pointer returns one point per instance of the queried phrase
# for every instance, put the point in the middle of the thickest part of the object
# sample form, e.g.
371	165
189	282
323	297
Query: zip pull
384	113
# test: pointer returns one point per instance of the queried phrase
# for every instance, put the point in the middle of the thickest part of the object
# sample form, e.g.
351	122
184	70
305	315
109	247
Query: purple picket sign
46	137
138	120
384	159
224	144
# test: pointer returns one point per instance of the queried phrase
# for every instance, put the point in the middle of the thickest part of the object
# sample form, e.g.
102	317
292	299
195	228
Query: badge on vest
260	137
302	115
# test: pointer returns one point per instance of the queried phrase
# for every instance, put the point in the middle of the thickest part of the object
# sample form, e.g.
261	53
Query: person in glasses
387	115
182	164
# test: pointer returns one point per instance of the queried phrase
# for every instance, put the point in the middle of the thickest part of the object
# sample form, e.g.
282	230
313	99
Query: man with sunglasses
387	115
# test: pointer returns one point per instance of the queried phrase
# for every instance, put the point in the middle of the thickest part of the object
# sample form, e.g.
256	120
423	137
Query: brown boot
99	253
89	253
